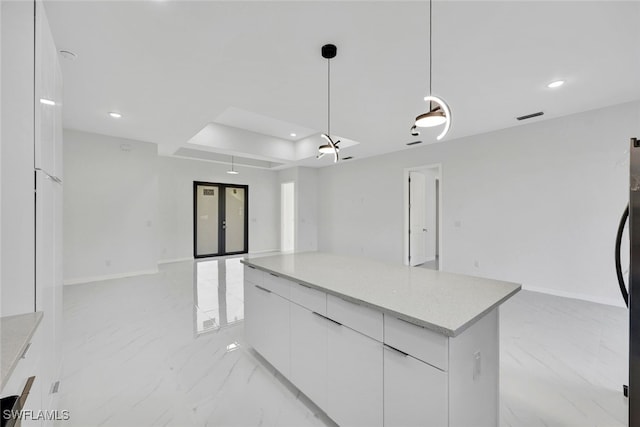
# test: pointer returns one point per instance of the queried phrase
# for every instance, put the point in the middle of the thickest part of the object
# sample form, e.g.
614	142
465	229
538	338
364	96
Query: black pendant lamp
439	112
329	51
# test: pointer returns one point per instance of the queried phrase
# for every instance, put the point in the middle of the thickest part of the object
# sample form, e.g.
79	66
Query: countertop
444	302
15	333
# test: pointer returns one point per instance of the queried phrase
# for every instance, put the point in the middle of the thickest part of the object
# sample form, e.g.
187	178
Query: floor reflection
218	294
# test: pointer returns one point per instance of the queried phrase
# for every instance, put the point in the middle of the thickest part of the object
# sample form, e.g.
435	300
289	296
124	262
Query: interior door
220	219
234	222
207	219
417	219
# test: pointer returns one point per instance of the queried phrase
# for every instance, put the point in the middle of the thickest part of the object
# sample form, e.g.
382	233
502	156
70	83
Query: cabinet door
354	378
46	291
28	365
415	393
267	325
17	76
47	101
309	354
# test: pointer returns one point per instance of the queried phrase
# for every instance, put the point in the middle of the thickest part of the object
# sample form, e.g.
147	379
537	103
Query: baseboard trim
169	261
606	301
264	251
80	280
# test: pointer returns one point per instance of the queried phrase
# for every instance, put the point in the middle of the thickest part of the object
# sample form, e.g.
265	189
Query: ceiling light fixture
555	84
232	171
115	115
439	112
293	135
329	51
47	101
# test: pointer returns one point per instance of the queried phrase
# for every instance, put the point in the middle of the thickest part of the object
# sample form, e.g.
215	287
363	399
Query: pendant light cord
329	97
430	44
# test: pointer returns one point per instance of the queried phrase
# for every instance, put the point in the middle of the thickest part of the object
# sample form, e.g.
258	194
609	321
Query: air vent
530	116
414	142
347	158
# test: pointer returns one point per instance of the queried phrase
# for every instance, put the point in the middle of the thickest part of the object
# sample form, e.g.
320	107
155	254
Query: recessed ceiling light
115	115
555	84
47	101
293	134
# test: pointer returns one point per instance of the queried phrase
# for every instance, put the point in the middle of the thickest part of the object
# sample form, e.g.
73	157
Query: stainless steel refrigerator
634	285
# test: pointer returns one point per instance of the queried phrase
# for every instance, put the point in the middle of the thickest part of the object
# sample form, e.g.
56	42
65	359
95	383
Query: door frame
405	228
221	216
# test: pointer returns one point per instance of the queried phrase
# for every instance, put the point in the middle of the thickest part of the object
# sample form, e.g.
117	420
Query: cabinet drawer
358	317
415	393
276	284
421	343
253	275
309	298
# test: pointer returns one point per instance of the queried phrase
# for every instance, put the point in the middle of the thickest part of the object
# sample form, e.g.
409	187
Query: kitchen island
375	344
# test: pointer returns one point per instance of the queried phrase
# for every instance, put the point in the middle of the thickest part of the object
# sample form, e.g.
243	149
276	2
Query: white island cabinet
374	344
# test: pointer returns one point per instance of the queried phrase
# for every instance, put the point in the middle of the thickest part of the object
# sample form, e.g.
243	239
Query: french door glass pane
234	216
207	217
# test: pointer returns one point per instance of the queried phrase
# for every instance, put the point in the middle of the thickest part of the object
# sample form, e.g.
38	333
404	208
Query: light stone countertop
444	302
15	333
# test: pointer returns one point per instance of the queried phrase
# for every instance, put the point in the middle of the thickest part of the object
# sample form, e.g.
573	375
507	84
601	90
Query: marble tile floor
431	265
168	350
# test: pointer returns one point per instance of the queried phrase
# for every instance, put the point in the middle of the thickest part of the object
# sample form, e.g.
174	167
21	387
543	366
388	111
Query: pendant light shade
430	119
325	149
439	112
329	51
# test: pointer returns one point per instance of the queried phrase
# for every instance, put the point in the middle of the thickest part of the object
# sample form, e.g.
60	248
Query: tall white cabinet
31	193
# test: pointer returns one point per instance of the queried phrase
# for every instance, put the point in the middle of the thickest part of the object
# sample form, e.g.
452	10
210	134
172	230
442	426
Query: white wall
537	204
307	197
306	206
126	208
110	207
175	214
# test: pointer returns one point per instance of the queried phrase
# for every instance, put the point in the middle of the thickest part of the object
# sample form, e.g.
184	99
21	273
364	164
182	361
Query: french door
220	219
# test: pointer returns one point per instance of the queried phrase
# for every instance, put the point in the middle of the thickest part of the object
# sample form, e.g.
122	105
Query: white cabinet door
48	297
415	393
47	101
309	354
354	378
16	180
267	325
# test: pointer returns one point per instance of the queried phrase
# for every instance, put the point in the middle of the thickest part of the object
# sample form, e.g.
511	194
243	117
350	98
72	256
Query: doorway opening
423	217
287	217
220	219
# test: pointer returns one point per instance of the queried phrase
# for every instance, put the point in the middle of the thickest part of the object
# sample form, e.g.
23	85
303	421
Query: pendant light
439	112
329	51
232	171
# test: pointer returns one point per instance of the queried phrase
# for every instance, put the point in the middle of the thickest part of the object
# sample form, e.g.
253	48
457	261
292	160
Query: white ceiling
174	69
